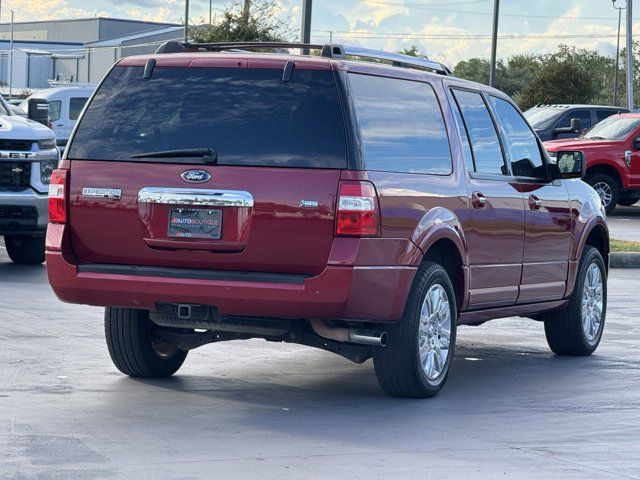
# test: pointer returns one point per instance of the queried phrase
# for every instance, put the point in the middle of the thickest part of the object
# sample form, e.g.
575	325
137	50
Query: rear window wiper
208	155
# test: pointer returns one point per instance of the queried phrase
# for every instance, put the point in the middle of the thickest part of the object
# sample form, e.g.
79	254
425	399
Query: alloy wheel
592	303
434	332
604	190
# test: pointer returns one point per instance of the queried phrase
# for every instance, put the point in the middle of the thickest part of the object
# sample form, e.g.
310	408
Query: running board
476	317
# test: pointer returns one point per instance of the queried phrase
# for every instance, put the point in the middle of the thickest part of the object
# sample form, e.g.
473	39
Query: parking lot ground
624	223
259	410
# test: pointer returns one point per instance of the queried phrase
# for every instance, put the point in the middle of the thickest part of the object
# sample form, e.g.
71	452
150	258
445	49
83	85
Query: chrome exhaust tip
376	339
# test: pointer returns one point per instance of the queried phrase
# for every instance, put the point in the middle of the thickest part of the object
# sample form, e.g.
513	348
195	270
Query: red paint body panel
337	292
275	236
609	153
515	261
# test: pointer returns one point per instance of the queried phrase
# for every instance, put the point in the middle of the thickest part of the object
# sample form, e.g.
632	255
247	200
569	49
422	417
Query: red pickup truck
612	151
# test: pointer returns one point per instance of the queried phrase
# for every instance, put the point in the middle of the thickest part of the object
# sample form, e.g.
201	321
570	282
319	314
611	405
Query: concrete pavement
254	409
624	223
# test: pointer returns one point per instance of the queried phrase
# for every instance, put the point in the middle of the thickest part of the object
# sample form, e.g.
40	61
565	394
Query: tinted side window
583	115
464	137
54	110
75	107
485	144
521	144
401	124
602	114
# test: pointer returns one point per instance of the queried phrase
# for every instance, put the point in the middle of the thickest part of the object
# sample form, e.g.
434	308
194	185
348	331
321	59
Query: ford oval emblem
196	176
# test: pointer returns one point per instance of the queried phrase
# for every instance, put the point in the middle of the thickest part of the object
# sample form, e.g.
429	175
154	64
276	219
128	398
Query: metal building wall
111	28
66	68
76	30
39	70
82	30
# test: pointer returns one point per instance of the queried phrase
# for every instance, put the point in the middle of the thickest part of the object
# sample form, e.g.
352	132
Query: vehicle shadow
11	272
324	397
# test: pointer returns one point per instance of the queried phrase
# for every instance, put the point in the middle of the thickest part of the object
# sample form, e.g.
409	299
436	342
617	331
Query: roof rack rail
326	50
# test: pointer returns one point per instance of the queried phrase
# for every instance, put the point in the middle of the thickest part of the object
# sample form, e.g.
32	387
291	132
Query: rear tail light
357	213
58	197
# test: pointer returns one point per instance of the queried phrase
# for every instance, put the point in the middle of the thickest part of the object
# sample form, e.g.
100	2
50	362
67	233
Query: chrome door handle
195	196
535	203
478	200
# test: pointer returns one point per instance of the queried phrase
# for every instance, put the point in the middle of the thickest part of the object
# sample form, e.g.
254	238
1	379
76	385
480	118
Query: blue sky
449	30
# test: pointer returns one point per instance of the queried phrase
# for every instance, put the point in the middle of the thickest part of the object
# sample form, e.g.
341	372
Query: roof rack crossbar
326	50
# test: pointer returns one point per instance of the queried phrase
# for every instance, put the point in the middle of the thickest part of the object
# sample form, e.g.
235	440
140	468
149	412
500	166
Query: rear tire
607	188
25	249
129	339
573	331
414	363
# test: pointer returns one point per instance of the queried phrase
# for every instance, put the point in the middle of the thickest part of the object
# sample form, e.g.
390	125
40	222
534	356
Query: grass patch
623	246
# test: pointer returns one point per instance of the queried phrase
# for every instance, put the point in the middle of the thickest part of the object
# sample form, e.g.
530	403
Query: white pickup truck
28	155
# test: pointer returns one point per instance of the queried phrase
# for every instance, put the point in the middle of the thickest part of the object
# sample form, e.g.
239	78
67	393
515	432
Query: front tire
25	249
577	329
133	348
607	189
417	359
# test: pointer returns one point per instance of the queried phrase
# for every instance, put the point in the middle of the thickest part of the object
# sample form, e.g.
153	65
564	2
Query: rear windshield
248	116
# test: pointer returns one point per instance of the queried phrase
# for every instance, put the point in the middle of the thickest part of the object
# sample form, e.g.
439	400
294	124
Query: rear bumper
341	291
24	212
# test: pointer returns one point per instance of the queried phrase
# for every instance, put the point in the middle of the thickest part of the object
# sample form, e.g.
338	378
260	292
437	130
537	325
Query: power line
444	36
423	6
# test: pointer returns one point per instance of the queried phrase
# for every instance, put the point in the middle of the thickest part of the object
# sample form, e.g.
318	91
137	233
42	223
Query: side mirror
574	128
636	143
569	164
576	125
38	110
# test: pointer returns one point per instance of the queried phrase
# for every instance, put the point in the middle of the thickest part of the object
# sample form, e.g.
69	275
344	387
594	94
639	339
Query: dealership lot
282	411
623	223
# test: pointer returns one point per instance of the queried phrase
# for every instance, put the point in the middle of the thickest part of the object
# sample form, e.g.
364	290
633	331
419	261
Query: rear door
495	228
548	221
261	198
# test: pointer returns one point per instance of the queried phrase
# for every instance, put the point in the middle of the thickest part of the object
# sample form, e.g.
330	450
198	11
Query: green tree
412	51
250	21
474	69
559	82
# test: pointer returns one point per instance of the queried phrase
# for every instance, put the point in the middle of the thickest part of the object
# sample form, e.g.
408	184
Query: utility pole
11	59
615	76
186	21
494	42
629	55
210	12
246	8
306	21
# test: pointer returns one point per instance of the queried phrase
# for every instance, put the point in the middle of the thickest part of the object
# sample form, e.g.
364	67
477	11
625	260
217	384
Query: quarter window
485	144
401	125
521	144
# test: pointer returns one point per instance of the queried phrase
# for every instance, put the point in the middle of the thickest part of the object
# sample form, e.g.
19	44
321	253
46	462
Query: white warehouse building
81	50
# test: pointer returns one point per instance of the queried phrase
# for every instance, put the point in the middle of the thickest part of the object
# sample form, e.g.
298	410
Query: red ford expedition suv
612	153
363	207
